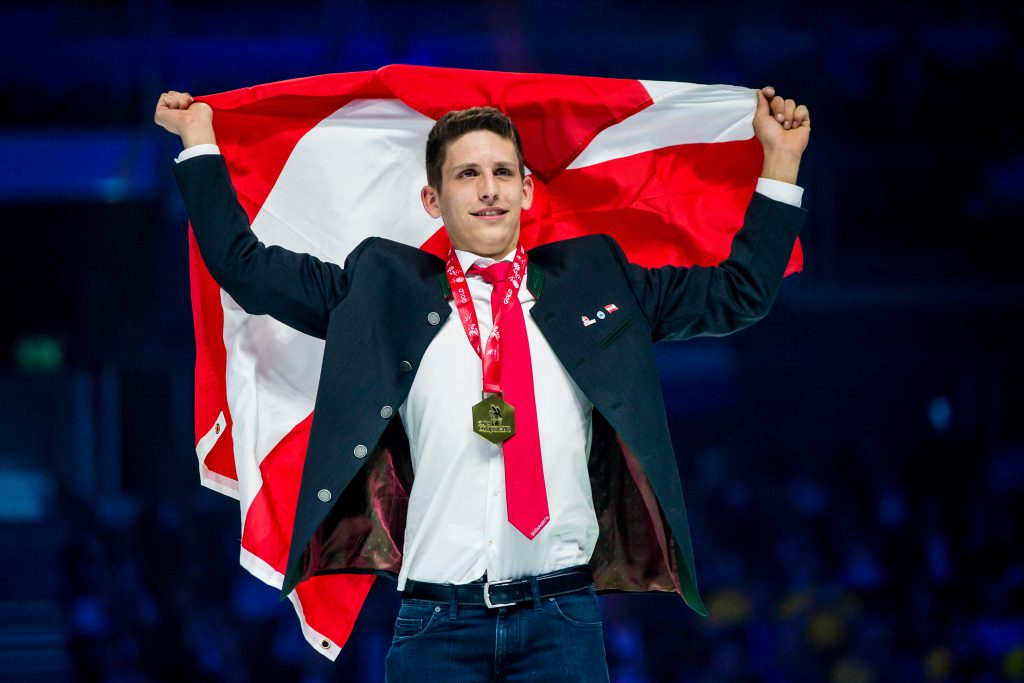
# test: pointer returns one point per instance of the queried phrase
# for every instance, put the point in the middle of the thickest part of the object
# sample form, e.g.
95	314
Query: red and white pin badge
600	315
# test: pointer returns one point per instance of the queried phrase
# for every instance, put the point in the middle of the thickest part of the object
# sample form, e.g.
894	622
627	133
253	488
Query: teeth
493	212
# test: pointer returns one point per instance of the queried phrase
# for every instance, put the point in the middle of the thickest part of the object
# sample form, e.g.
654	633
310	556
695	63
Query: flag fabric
321	163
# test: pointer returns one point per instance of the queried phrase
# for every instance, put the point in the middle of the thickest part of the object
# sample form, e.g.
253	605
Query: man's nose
488	186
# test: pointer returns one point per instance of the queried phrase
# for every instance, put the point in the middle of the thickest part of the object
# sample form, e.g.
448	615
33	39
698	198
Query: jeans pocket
578	609
407	628
414	620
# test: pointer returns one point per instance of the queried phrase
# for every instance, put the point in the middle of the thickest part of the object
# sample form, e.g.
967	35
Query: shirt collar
468	259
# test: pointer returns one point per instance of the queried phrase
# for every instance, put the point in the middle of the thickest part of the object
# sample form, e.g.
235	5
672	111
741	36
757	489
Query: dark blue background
853	463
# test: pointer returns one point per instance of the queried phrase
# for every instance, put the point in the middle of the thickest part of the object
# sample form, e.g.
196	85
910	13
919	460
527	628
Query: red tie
524	473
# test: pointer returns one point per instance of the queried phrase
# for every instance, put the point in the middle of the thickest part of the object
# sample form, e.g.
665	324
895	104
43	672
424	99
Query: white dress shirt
457	527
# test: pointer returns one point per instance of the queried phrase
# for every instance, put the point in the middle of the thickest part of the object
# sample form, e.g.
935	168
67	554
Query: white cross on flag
321	163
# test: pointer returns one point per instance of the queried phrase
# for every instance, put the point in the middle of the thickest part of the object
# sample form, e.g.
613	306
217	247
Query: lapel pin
601	315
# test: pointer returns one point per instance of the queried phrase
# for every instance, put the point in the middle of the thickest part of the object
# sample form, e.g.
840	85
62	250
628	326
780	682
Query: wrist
200	134
780	165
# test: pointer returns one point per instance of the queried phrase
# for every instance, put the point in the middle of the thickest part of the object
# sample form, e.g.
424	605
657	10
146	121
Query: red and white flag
321	163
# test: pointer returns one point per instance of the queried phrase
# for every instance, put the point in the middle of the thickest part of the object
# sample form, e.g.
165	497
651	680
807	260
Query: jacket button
433	317
324	495
405	366
359	451
386	412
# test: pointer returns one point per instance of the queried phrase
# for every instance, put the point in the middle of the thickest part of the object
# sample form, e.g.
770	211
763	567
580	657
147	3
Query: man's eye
468	173
503	171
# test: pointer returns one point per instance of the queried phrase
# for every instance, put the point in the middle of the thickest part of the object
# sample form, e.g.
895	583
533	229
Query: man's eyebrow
473	164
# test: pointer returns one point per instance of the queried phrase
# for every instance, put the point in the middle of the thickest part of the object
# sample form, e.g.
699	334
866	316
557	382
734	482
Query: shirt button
495	492
324	495
386	412
405	366
359	451
490	541
433	317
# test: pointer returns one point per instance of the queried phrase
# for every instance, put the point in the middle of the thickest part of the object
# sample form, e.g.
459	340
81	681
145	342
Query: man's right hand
191	121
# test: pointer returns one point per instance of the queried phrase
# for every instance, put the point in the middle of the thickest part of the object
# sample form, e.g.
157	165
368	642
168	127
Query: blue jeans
555	639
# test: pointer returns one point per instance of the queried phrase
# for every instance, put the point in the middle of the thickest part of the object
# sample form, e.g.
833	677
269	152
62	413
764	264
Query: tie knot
494	273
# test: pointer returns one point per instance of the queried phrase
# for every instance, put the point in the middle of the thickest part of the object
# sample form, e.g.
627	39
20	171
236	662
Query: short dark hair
455	124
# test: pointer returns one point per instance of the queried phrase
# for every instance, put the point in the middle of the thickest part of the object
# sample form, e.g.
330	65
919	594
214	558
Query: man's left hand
783	129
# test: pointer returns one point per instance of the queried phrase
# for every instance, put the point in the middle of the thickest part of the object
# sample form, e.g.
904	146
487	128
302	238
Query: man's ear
527	192
431	199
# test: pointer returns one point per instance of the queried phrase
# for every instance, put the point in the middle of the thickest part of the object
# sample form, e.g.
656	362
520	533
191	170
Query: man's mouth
489	213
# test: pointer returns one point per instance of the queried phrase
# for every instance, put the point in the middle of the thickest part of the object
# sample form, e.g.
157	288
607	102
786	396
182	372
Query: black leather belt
502	593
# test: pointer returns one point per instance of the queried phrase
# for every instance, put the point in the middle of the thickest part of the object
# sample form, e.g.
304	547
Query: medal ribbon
490	354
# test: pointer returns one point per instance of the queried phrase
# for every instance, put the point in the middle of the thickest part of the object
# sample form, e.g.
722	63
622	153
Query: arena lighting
40	354
25	494
105	166
940	414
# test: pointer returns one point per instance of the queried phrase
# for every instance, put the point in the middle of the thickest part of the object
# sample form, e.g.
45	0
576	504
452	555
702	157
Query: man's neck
467	258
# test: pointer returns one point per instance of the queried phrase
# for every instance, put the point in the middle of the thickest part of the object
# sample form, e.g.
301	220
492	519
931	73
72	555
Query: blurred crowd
844	568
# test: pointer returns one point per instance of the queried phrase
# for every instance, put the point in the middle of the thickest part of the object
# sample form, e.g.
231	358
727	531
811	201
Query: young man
539	450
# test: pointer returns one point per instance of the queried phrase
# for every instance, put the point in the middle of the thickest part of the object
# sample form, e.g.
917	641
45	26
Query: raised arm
783	128
687	302
300	290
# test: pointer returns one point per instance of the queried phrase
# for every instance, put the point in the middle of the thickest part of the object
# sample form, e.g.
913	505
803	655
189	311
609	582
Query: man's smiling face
482	194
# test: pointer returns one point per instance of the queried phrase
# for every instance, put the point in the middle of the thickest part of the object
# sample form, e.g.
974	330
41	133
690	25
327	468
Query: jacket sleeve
299	290
712	301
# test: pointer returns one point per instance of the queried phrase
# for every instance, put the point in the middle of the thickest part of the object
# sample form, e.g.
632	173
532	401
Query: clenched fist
191	121
783	129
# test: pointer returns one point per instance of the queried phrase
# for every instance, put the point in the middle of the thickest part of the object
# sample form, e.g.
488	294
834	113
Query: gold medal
494	419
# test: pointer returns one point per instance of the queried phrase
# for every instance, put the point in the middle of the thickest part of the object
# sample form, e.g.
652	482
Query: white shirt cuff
787	193
195	151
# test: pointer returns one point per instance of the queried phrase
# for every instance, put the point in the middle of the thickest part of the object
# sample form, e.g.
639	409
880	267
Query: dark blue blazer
379	312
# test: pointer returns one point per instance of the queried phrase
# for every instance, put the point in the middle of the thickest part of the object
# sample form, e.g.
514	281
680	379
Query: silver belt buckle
487	594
